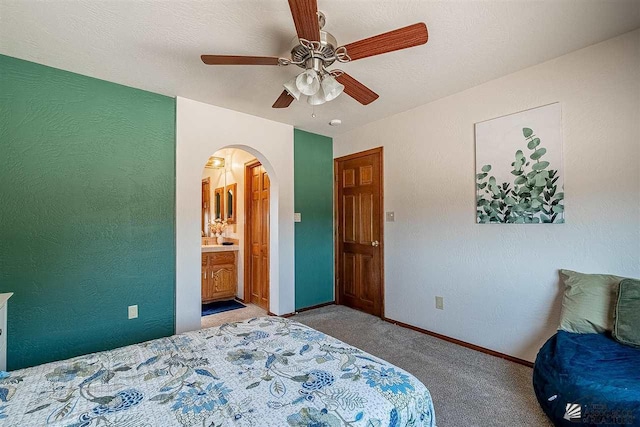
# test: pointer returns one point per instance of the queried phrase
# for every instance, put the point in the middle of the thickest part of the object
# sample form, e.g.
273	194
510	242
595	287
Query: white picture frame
519	168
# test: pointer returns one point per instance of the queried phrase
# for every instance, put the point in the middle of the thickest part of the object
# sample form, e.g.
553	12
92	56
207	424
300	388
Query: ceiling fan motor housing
325	49
326	52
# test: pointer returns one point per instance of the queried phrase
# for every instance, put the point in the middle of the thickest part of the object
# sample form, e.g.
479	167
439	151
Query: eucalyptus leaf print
532	197
519	168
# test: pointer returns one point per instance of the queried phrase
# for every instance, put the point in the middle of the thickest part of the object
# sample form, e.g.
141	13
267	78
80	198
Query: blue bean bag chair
588	380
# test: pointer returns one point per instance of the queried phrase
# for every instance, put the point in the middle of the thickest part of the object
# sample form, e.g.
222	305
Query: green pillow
626	328
589	302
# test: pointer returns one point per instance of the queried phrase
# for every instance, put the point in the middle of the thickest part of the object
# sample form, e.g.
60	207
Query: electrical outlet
133	312
440	303
297	217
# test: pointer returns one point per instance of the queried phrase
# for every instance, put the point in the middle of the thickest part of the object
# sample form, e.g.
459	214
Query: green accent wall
313	192
87	212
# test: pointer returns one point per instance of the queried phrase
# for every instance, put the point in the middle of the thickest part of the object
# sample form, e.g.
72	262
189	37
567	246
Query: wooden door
257	194
359	232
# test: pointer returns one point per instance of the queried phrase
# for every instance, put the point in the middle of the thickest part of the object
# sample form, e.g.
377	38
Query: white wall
201	130
500	282
235	161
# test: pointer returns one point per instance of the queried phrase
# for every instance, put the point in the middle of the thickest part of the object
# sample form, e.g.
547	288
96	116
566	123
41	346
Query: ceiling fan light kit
331	88
315	50
317	98
320	87
308	82
292	88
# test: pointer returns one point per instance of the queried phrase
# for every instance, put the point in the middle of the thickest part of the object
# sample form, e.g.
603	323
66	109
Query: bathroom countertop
220	248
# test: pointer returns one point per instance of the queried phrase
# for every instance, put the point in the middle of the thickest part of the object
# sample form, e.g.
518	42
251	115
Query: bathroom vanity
219	272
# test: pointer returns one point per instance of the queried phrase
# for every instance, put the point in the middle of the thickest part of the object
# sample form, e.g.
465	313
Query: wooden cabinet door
208	292
224	280
359	268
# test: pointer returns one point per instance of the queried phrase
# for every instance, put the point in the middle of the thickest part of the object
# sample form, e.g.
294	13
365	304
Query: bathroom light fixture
215	163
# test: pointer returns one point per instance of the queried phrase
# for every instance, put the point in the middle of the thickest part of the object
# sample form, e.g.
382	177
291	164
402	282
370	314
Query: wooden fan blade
357	90
402	38
283	101
305	17
239	60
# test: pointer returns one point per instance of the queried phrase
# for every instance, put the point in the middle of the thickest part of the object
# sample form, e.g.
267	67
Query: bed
265	371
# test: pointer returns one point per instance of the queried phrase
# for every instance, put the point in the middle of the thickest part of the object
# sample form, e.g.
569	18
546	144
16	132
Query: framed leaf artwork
519	168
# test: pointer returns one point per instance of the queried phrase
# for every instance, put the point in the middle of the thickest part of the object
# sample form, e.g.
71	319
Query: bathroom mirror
206	206
218	203
230	200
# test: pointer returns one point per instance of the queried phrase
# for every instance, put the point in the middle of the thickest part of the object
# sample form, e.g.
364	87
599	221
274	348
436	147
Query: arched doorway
235	224
201	130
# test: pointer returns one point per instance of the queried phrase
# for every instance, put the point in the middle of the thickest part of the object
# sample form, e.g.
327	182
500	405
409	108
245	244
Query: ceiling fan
315	49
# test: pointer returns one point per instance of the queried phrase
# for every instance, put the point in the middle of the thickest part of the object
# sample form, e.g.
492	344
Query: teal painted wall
87	212
313	190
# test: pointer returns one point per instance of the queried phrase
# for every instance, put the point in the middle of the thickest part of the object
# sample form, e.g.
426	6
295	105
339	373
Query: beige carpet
238	315
469	388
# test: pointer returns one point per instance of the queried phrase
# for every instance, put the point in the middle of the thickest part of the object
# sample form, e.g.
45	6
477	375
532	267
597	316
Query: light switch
391	216
297	217
133	312
440	303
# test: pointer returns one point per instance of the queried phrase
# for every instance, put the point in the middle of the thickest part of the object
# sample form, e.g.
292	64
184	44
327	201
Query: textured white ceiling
156	45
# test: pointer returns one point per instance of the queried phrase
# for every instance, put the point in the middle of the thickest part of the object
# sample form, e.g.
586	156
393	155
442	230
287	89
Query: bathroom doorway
227	236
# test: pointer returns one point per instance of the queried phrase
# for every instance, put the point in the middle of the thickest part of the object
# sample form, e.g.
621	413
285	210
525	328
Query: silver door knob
375	243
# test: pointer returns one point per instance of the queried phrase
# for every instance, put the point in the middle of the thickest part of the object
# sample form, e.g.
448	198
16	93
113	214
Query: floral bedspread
266	371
